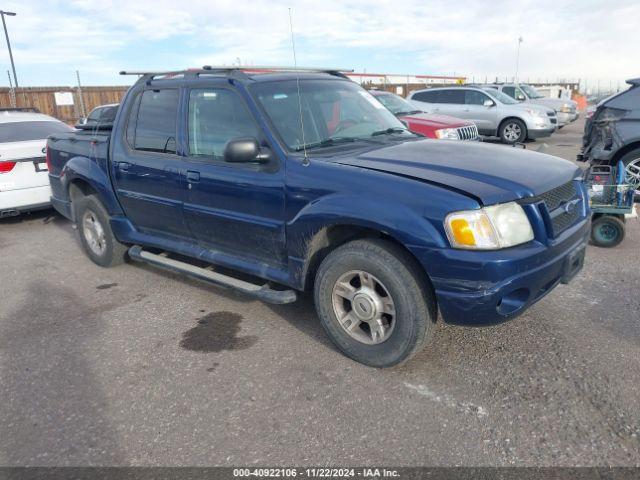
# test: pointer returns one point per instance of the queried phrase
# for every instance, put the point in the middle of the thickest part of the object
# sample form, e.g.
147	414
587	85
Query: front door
236	209
475	110
148	176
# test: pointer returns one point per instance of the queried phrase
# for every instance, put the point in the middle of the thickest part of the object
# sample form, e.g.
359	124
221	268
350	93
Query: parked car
430	125
493	112
566	110
613	131
24	184
384	226
102	115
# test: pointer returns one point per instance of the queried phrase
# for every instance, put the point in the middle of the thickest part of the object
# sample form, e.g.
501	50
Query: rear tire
374	302
513	131
96	236
607	231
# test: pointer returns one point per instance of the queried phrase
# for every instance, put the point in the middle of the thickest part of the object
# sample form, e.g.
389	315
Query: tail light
47	159
6	167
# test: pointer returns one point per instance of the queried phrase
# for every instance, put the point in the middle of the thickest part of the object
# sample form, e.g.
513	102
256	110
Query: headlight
489	228
536	113
447	134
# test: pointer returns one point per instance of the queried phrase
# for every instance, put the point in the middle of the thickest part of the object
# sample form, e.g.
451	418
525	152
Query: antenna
305	160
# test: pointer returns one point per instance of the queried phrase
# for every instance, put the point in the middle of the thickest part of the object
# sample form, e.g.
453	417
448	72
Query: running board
262	292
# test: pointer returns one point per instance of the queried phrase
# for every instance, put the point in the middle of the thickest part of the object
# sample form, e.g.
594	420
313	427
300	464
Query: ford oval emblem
570	206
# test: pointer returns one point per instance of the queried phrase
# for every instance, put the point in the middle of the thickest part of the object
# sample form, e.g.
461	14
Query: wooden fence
63	103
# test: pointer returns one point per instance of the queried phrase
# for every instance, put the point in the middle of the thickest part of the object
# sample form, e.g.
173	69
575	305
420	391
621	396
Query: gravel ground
133	366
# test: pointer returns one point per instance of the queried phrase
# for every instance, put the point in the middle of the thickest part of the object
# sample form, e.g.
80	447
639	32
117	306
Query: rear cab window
27	131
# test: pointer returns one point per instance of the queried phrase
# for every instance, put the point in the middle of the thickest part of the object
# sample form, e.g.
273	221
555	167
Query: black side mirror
244	150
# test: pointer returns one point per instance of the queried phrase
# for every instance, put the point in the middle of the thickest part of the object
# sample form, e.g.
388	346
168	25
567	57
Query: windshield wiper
389	131
411	112
327	142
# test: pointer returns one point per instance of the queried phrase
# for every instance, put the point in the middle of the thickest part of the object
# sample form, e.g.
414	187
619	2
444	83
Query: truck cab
221	171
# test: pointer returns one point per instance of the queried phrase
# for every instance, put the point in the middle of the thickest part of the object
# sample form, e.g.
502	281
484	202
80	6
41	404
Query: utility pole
12	92
6	34
518	58
80	96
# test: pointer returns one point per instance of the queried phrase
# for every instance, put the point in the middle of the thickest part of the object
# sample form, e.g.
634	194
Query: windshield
26	131
501	97
396	105
332	111
531	92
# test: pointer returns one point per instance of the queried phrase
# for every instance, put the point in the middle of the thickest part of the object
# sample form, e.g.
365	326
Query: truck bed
82	143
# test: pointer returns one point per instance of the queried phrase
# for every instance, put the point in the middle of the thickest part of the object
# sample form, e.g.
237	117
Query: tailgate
29	167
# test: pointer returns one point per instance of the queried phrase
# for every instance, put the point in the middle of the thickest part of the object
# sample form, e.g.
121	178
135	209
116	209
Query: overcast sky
592	39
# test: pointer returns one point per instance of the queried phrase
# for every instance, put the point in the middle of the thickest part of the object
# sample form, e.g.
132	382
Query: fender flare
306	233
89	172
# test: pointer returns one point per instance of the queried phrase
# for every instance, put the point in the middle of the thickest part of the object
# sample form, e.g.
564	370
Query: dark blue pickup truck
284	181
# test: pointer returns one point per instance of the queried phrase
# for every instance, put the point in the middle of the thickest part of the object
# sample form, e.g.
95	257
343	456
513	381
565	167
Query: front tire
96	236
513	131
374	302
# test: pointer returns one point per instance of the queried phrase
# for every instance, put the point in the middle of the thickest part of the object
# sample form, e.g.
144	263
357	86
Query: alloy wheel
94	233
363	306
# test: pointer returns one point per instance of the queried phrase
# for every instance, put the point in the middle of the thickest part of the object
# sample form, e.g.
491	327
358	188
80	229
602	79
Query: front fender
396	220
88	171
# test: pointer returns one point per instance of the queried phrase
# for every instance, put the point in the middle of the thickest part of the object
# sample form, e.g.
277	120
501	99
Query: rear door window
428	97
451	96
26	131
155	128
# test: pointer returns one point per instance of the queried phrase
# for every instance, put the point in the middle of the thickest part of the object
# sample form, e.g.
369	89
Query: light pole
13	67
518	58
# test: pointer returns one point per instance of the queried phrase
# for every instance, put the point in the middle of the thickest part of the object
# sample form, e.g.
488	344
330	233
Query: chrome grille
555	200
468	132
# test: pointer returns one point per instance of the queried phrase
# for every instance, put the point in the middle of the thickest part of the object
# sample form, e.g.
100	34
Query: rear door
147	174
237	209
449	102
485	117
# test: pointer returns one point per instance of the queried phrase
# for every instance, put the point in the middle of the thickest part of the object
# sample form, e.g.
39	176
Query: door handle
123	166
192	176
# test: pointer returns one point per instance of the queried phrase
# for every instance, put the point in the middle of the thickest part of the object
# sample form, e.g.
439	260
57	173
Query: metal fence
64	103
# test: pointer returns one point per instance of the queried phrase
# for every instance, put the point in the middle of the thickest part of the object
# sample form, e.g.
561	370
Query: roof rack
244	69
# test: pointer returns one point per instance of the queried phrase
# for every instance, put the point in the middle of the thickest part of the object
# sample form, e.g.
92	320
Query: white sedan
24	180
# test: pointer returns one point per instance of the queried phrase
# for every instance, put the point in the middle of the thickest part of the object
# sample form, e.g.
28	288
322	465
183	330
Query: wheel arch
630	147
84	177
330	237
511	117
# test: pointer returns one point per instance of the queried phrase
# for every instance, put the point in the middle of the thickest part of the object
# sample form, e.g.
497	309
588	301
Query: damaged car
612	134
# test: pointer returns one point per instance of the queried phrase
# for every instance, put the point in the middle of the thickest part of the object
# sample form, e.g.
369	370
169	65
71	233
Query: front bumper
476	288
541	132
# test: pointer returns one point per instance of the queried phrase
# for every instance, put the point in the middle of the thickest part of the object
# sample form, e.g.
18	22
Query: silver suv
567	110
493	112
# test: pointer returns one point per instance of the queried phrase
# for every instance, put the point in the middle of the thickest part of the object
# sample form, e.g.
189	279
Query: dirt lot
132	366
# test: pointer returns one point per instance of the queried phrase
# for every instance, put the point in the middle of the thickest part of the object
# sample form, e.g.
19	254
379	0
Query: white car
24	178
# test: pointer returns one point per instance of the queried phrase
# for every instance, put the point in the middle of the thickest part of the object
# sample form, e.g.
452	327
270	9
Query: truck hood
489	173
554	103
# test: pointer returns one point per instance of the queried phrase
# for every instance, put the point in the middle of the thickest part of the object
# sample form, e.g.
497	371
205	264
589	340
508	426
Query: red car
431	126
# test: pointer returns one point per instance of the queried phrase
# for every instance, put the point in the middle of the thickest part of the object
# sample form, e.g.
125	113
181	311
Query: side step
262	292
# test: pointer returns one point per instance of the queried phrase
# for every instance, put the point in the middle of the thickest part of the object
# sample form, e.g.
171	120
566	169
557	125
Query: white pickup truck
24	181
